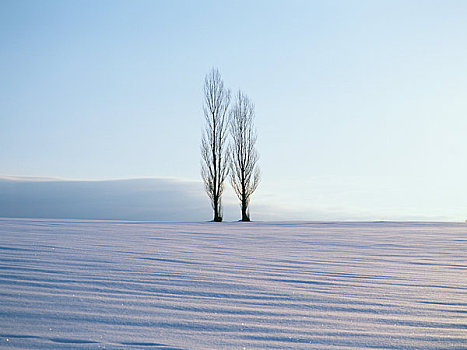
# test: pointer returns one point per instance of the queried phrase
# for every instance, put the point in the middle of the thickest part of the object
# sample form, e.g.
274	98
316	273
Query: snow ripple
109	284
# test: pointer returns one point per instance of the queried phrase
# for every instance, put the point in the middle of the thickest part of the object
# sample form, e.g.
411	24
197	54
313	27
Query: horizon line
376	221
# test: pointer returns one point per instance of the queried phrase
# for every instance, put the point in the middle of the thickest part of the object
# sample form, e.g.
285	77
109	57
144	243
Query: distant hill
134	199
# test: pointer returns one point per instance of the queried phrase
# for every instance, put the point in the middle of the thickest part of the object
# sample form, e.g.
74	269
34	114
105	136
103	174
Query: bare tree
244	171
214	153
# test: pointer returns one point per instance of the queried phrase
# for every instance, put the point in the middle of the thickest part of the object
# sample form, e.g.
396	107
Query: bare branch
214	156
244	172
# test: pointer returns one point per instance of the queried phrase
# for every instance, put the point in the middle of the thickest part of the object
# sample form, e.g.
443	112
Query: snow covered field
108	284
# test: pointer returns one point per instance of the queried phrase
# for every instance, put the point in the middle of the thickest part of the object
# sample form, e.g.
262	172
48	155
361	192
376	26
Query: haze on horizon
360	106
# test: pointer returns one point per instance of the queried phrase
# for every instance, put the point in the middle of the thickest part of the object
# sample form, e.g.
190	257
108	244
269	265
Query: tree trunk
245	216
217	216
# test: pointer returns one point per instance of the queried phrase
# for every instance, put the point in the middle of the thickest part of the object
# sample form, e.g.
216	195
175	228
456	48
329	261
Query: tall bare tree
214	153
244	171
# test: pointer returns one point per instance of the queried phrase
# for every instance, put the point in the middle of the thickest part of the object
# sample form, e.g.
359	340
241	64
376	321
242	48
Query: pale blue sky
361	105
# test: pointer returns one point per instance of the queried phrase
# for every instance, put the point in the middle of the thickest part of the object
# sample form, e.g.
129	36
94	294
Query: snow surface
116	285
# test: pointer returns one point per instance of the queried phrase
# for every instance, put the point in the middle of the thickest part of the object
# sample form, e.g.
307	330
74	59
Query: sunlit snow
117	285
